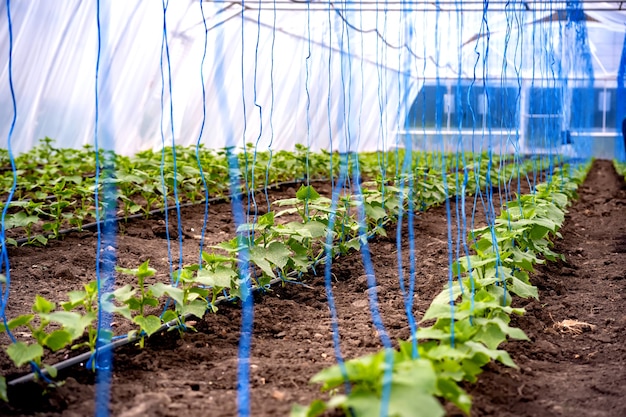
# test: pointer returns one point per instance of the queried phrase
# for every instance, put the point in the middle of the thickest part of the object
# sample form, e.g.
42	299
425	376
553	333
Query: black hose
84	357
94	225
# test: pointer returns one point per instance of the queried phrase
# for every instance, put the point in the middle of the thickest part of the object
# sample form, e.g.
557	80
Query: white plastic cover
277	73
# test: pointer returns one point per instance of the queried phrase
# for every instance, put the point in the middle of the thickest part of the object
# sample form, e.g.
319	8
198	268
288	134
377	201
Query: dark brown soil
565	372
561	373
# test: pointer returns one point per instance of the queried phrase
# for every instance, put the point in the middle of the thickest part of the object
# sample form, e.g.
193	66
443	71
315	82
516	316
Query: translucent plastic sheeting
292	63
339	76
264	67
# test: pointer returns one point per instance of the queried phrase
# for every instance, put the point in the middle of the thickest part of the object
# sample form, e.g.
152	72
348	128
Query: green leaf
365	368
73	322
17	322
411	401
52	371
124	293
20	219
363	403
375	212
169	315
315	409
214	258
440	306
266	219
512	332
417	373
76	298
3	389
143	271
307	192
440	352
196	308
42	305
123	311
258	256
41	239
521	289
449	390
148	324
160	288
21	353
220	278
278	254
312	229
490	334
500	355
76	179
431	333
58	339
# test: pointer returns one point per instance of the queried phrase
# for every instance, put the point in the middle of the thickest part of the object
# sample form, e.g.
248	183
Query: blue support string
328	284
239	215
372	292
106	246
165	48
271	115
4	256
204	182
234	174
163	147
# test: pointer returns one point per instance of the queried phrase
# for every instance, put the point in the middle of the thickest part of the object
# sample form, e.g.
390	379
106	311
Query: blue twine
450	247
165	45
204	182
247	310
3	241
106	232
407	295
163	146
251	196
368	265
271	115
328	254
4	255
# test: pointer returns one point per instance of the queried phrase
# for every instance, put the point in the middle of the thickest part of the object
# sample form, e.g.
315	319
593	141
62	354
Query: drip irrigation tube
84	357
94	225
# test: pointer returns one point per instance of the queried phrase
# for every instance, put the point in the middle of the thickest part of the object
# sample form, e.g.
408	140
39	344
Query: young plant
134	306
86	301
21	219
73	326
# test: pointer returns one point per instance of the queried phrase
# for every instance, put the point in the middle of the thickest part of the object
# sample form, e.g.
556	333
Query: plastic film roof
337	76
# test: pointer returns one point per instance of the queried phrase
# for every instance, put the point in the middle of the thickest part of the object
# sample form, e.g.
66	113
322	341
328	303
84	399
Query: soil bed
196	375
573	369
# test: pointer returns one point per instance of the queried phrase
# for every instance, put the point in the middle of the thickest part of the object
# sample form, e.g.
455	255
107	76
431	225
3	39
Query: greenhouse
300	208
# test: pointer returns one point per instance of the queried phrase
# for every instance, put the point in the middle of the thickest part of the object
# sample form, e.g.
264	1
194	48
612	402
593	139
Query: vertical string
272	102
328	247
164	146
247	301
4	256
106	230
202	177
166	48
